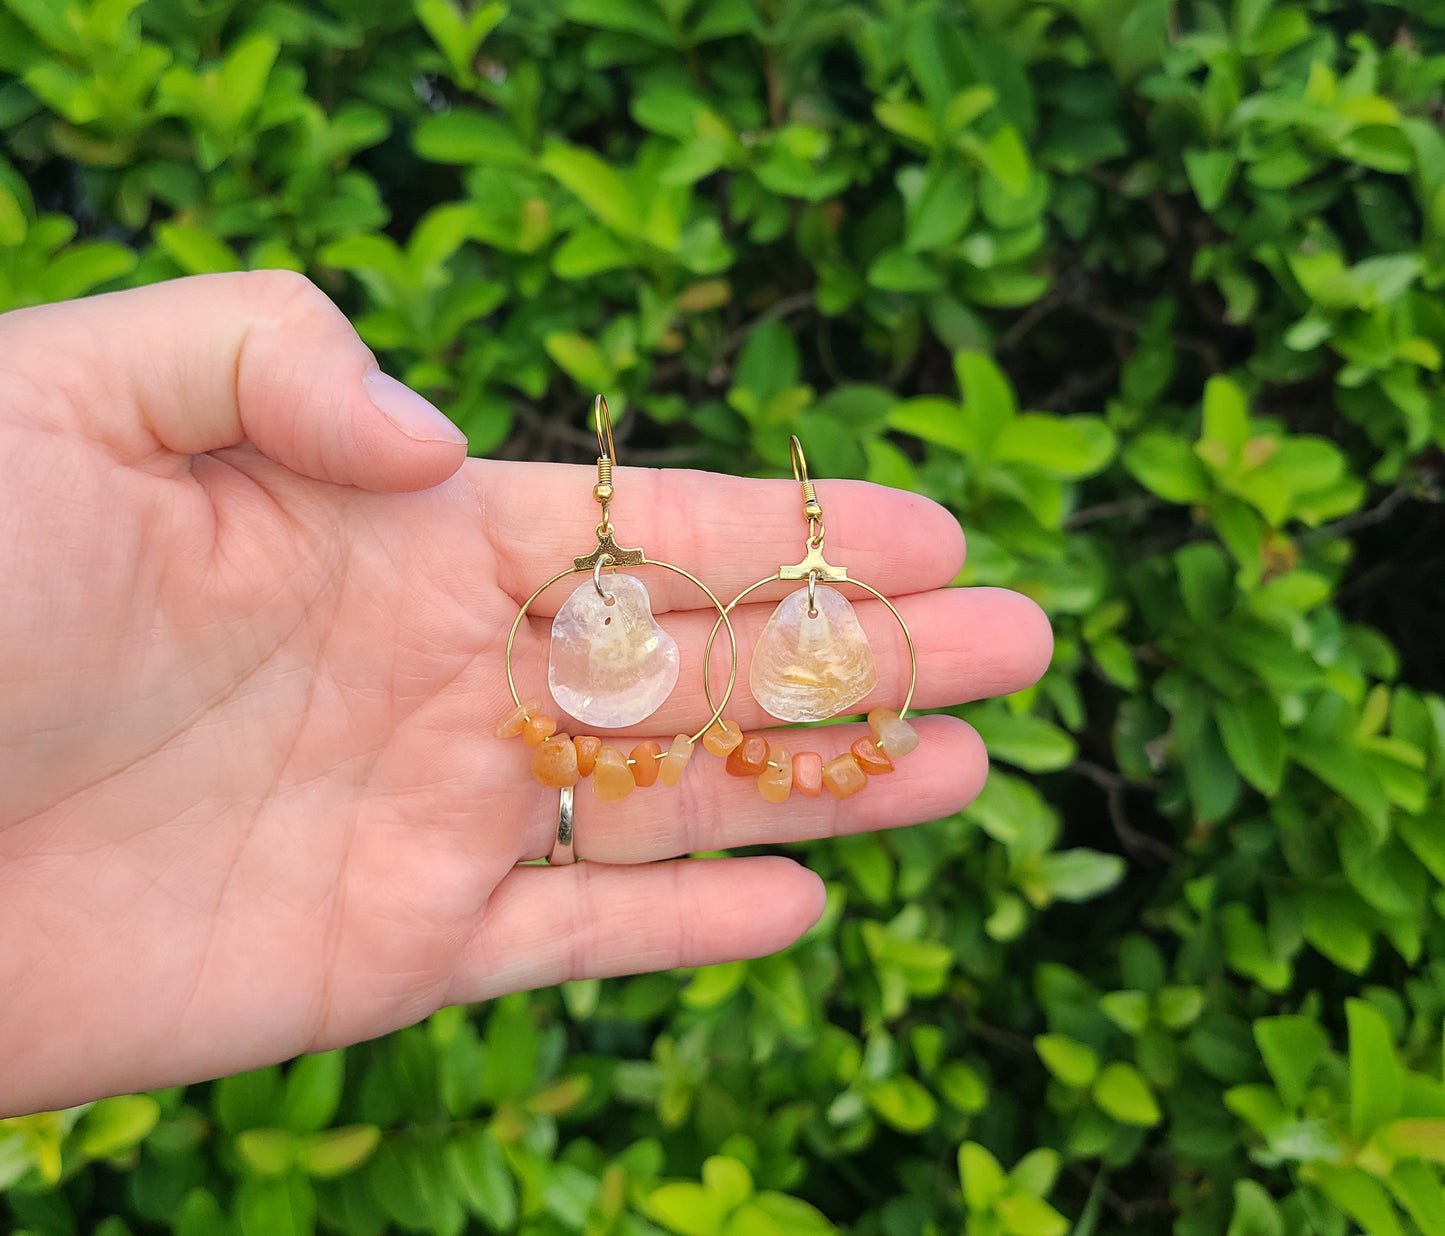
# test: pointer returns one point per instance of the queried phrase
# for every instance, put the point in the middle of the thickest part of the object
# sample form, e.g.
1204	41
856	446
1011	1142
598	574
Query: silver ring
562	853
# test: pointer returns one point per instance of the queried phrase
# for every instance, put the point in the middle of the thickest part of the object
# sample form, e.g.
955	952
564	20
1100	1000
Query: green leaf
312	1091
1226	419
1292	1046
686	1208
581	360
1375	1078
1006	159
1360	1196
906	119
195	250
961	1087
597	184
1255	1212
266	1152
1124	1095
714	985
1068	446
935	420
477	1167
1075	1064
1027	741
981	1175
1254	738
1210	173
1129	1010
988	399
283	1206
1035	1173
1166	465
903	1103
113	1126
1417	1187
590	252
638	17
1023	1214
1178	1007
898	271
938	205
1079	875
246	1100
337	1151
466	136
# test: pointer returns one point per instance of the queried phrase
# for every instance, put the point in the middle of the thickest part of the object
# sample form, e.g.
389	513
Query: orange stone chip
538	730
587	748
512	724
722	736
808	773
555	762
749	756
871	760
669	772
891	733
645	758
612	780
843	777
775	782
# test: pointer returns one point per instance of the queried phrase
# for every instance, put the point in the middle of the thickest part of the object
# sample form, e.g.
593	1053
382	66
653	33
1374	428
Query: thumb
211	361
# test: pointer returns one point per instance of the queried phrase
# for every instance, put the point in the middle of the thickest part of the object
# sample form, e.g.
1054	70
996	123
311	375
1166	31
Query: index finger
728	531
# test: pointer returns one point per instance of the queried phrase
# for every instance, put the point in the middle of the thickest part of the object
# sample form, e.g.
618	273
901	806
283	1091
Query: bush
1148	294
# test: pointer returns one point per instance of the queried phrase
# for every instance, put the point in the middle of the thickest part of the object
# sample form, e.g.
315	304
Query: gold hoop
780	578
722	619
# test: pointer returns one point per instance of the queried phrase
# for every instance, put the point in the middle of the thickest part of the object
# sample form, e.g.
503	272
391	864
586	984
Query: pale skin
251	656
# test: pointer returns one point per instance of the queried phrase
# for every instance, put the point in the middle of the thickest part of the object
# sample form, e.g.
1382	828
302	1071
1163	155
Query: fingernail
408	411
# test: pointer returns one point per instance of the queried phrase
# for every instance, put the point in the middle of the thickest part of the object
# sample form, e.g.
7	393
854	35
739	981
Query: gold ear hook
603	491
812	508
602	421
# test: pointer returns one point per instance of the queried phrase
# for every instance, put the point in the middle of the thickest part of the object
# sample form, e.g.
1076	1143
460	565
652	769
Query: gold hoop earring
610	664
812	662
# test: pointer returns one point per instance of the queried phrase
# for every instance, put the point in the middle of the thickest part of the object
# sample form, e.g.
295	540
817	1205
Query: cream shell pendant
807	667
611	665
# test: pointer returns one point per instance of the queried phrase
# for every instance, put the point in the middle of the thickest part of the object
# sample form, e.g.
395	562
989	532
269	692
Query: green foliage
1150	296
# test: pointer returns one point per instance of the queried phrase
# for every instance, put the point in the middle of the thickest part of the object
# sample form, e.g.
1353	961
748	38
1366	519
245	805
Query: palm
252	803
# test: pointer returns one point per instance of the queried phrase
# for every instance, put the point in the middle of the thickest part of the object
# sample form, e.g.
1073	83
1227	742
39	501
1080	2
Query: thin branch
1141	504
1351	524
1115	785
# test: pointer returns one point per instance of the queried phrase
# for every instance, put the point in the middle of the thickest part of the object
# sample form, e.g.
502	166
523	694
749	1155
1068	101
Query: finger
198	364
728	531
971	643
710	809
548	925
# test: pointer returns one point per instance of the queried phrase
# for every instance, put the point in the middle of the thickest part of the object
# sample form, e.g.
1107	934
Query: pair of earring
611	666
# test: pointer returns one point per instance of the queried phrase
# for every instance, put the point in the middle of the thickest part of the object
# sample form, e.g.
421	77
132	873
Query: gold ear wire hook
812	508
602	422
603	491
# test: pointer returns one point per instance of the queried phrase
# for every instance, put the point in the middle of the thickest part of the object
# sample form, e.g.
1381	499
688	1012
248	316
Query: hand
251	657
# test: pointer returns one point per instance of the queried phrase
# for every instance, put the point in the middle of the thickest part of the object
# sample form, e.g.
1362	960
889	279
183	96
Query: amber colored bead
587	748
645	758
512	724
669	771
808	773
891	733
843	777
775	782
871	760
748	756
722	737
538	730
612	779
555	762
